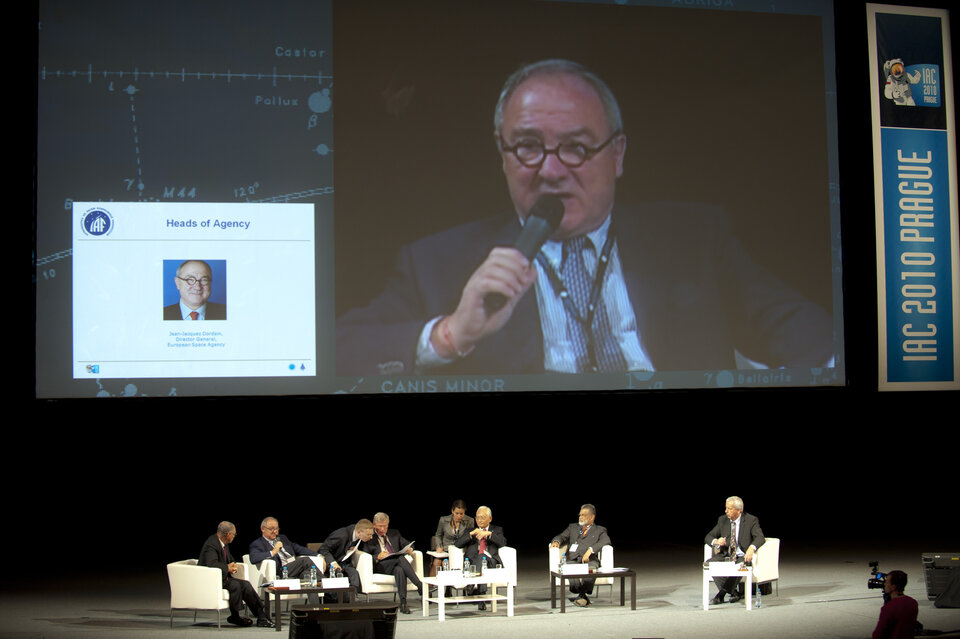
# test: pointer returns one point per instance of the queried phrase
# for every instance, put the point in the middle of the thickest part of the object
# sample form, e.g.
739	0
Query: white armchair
766	562
606	563
374	582
194	587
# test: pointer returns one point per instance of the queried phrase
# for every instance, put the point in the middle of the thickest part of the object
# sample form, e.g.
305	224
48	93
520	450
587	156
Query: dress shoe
243	622
582	601
482	606
263	622
718	599
734	598
403	607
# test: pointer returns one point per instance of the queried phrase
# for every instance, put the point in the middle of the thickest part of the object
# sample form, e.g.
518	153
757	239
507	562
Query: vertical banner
915	178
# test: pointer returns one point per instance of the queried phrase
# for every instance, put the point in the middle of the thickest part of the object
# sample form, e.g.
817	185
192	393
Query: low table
621	573
304	590
458	581
726	569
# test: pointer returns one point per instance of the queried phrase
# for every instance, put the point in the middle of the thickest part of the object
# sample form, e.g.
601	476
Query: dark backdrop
135	483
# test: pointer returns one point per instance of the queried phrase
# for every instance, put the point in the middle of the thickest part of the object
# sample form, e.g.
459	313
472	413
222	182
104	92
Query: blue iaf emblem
97	222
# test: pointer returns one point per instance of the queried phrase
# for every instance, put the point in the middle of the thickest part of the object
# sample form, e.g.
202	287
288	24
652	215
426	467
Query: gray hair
381	517
591	508
225	528
736	501
263	524
559	67
486	510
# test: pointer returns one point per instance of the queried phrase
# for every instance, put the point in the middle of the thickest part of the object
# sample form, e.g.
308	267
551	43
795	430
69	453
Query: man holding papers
388	547
342	542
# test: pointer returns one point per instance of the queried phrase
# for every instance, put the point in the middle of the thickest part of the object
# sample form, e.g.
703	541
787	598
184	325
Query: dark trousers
402	570
582	586
241	592
725	584
297	567
350	572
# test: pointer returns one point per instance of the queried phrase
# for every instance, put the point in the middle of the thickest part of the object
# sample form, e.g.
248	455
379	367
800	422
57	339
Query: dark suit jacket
696	295
397	542
750	533
595	538
214	312
260	550
472	549
337	543
212	555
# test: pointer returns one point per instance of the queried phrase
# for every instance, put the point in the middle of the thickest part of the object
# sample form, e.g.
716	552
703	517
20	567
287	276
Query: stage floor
821	594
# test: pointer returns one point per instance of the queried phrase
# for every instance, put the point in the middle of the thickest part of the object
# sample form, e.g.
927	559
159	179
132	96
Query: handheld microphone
543	220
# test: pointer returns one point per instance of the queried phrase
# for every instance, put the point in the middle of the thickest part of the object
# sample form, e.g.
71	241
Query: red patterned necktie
194	315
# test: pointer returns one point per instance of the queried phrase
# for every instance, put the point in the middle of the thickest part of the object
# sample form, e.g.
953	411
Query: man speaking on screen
641	288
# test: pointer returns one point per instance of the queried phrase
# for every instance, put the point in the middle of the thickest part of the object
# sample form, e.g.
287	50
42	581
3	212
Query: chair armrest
607	560
364	565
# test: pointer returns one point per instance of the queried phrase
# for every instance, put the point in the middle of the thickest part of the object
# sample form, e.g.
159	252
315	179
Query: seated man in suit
736	537
273	545
341	542
387	541
216	554
584	540
194	281
483	541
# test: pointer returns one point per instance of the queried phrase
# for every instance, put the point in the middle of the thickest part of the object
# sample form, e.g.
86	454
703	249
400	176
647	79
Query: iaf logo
97	222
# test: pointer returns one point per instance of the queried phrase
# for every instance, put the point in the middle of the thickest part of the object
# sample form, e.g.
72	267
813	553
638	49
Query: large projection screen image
709	205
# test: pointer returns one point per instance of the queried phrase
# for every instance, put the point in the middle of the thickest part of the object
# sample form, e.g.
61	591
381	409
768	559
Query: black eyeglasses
203	281
531	153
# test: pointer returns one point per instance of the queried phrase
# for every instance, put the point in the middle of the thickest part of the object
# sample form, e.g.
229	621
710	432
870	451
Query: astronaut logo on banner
900	77
898	82
97	222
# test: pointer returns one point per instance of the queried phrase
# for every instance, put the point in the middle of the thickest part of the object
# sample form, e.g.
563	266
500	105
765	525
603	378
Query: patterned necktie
194	315
595	349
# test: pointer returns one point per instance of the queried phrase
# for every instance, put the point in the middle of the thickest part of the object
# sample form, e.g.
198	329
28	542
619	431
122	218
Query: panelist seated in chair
583	540
274	546
449	529
385	542
736	537
483	541
216	554
341	542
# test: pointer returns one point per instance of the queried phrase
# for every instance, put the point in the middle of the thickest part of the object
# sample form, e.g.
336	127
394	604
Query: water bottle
446	563
483	565
285	574
563	561
313	576
466	566
756	603
333	571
